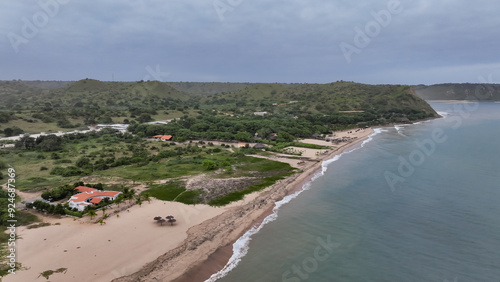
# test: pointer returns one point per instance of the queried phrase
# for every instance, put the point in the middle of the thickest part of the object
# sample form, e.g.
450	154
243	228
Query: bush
67	171
209	164
59	193
73	212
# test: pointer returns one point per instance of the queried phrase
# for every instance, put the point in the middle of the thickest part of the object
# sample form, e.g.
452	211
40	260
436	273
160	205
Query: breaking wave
241	246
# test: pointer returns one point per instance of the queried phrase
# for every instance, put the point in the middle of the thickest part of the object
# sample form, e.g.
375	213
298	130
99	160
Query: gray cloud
257	41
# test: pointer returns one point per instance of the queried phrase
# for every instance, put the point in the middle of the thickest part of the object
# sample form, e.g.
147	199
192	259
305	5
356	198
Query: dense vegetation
108	153
32	107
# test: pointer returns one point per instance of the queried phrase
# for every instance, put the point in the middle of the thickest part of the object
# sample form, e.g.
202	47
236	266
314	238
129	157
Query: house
242	144
260	113
163	137
166	137
317	136
90	196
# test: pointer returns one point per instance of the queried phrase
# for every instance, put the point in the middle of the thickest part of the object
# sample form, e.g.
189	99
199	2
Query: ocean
415	202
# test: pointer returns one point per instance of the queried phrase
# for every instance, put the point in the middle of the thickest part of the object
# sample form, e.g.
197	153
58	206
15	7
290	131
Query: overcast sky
316	41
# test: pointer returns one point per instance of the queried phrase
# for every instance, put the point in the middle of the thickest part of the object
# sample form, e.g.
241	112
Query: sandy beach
133	247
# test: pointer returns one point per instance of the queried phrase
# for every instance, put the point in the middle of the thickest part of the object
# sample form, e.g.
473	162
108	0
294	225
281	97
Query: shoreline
198	259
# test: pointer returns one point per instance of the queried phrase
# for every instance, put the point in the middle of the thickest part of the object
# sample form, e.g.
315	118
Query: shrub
209	164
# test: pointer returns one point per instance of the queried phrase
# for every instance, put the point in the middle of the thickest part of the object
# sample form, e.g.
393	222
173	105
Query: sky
289	41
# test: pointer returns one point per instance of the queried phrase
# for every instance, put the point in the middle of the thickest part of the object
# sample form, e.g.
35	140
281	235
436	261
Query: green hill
378	100
89	92
208	88
45	106
455	91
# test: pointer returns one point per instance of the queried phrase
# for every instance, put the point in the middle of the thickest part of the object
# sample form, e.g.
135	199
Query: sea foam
241	246
443	114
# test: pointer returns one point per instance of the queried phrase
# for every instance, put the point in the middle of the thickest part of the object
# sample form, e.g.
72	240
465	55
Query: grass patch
280	146
236	196
166	192
25	218
189	197
263	166
47	273
38	225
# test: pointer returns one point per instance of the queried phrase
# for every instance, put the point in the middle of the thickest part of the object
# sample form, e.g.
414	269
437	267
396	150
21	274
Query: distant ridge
459	91
357	101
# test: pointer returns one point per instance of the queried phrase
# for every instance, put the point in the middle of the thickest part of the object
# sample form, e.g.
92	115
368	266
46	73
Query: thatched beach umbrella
171	219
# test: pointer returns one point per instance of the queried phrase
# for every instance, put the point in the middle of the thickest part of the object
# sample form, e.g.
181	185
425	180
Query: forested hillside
49	106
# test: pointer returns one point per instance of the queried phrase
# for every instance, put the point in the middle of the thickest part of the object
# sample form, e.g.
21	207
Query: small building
260	113
163	137
259	146
242	144
166	137
273	136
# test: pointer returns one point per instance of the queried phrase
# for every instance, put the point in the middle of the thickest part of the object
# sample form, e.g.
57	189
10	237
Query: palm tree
103	211
101	221
92	213
147	197
128	194
119	199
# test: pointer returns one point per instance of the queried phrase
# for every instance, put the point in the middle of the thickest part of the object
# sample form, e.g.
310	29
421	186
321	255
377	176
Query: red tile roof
82	189
96	200
166	137
82	197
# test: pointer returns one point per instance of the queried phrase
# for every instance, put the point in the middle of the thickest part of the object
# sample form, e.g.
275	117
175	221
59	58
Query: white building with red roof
90	196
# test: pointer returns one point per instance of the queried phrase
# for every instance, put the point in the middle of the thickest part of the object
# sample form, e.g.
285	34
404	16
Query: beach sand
133	247
94	252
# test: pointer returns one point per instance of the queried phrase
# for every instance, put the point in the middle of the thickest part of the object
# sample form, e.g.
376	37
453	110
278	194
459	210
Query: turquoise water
416	203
